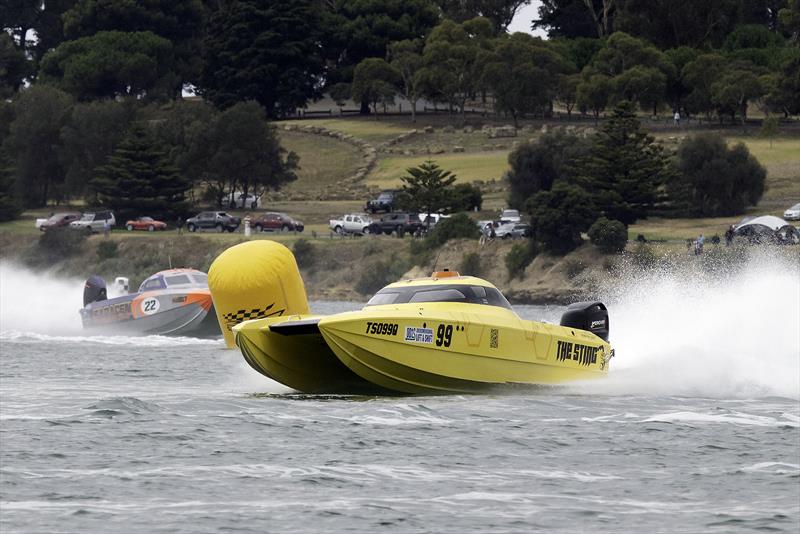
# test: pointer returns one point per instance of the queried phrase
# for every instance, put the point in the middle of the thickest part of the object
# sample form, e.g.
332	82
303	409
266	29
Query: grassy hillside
324	161
468	167
483	160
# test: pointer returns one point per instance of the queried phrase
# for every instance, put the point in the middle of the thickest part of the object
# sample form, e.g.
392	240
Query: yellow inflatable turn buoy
253	280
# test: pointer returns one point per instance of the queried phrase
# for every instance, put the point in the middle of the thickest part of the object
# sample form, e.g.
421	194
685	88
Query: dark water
696	429
178	435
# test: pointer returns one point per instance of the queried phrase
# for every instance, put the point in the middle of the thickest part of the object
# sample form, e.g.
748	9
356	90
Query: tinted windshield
177	279
488	296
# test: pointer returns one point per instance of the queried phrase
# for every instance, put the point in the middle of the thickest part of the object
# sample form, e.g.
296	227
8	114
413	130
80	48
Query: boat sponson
466	366
300	361
398	377
296	328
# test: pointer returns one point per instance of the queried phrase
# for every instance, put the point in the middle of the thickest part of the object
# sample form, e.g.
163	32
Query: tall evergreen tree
267	51
626	168
178	21
427	188
40	112
10	206
14	67
353	30
139	179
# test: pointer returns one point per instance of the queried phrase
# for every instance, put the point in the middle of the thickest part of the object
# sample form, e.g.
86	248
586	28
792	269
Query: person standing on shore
729	236
179	224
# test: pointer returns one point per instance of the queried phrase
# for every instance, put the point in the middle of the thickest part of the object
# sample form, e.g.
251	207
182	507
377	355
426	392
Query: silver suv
94	221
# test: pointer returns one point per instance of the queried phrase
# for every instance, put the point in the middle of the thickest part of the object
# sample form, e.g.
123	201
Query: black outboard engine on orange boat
591	316
94	290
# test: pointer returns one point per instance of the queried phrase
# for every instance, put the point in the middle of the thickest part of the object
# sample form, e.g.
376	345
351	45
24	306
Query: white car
510	216
354	223
513	231
94	221
793	213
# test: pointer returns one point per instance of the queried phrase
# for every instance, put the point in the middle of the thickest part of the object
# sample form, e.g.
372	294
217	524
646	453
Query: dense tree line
100	66
709	58
601	184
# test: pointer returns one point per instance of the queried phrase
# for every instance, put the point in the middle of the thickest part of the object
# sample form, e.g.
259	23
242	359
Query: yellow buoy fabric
253	280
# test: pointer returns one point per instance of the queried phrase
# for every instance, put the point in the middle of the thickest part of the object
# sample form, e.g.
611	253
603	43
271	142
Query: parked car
59	219
510	216
276	222
384	202
145	223
793	213
513	230
399	223
213	220
94	221
354	223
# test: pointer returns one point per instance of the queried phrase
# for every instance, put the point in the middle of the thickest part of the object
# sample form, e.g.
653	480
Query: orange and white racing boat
172	302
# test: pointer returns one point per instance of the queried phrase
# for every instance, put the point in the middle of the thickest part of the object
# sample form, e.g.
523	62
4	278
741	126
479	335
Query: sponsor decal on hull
415	334
583	354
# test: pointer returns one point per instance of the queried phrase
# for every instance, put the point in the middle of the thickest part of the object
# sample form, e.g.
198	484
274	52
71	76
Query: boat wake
42	307
709	329
14	336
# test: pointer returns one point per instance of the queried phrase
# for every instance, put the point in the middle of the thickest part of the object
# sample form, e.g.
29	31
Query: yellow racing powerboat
442	334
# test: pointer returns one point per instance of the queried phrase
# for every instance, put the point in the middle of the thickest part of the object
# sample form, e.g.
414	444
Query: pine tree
139	179
10	207
626	168
428	188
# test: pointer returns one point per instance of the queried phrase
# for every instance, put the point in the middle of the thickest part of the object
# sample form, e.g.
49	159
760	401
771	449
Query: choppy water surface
697	429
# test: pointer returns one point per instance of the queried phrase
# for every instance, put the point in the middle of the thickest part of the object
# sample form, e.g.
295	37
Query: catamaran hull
301	361
432	350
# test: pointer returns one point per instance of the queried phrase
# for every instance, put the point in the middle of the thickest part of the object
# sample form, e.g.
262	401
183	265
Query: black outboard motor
94	290
589	316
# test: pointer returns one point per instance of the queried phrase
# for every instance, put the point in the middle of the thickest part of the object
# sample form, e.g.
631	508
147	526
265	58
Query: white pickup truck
354	223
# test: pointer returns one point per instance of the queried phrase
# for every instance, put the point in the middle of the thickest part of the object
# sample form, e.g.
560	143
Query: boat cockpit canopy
186	279
467	294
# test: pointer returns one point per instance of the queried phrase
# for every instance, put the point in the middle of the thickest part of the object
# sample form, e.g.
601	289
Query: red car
145	223
276	221
60	219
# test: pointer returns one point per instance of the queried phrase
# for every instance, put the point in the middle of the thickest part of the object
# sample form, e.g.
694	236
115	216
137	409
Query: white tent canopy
770	221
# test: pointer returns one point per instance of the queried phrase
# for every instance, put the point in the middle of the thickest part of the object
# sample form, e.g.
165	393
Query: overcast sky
522	21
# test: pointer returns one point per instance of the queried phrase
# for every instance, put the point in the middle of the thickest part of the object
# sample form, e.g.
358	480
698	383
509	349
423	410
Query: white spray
38	301
712	330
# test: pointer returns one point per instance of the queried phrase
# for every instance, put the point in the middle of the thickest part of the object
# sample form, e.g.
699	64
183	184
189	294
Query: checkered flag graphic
234	318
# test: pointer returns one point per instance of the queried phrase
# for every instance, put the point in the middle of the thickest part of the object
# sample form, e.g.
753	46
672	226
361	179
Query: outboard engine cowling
94	290
591	316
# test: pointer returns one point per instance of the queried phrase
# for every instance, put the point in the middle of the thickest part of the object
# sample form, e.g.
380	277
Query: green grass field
782	161
468	167
369	129
323	160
